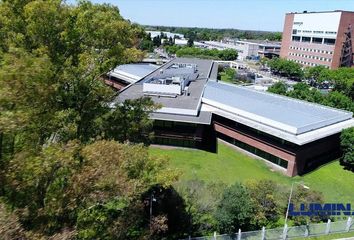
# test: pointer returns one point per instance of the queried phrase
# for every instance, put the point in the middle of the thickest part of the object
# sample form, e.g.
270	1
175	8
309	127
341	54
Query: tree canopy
286	68
226	55
347	145
72	163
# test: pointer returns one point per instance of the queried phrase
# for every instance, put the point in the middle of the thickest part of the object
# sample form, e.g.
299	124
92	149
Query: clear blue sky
240	14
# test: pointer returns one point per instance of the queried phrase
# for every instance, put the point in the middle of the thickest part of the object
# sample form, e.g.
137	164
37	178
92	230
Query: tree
10	226
201	200
347	145
286	68
306	196
278	88
228	75
157	41
264	195
70	185
52	75
228	55
52	106
343	79
235	209
316	72
339	100
134	122
190	42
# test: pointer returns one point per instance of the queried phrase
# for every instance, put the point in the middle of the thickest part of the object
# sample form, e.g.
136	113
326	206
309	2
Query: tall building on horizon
319	38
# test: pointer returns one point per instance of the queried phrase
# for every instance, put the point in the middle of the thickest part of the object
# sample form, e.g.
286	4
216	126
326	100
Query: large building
291	135
247	49
319	38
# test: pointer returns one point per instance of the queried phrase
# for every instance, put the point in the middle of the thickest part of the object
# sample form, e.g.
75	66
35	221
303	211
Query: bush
235	209
347	145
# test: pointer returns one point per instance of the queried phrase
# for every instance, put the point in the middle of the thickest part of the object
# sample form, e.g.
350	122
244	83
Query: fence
286	232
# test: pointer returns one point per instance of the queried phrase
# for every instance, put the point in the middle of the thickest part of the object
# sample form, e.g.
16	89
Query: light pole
152	199
287	210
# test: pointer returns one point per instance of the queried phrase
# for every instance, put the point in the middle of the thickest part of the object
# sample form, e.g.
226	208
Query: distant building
291	135
248	49
319	38
168	34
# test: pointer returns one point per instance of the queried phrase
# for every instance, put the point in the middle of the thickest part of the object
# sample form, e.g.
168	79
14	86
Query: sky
266	15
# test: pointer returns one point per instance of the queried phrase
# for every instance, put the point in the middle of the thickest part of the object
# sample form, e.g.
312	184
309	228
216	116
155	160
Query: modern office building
319	38
291	135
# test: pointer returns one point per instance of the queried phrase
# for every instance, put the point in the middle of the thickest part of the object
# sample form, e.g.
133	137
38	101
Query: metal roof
203	117
279	112
181	104
135	70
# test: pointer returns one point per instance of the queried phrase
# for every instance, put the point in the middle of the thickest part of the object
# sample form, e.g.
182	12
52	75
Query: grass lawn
331	236
226	78
229	166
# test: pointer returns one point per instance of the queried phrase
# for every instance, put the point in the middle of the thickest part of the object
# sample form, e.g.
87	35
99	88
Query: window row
311	50
316	40
267	156
295	31
310	57
175	142
308	63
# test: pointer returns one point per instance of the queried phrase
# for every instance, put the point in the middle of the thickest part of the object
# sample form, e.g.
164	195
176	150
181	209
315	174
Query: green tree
134	122
235	209
201	200
316	72
70	185
278	88
343	79
52	106
53	74
339	100
264	195
190	42
305	196
157	41
347	145
286	68
228	55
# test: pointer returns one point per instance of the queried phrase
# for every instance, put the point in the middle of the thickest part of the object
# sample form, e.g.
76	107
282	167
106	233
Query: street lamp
287	210
152	199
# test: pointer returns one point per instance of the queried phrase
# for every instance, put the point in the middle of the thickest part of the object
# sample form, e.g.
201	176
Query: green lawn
330	236
226	78
229	166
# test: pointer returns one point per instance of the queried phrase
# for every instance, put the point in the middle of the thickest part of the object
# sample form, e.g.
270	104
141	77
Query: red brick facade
300	159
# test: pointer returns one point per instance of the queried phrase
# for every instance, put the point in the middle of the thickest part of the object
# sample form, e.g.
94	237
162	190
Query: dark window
294	31
296	38
306	39
317	40
329	41
255	151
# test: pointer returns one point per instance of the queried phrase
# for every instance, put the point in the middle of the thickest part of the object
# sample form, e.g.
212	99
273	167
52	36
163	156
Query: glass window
296	38
329	41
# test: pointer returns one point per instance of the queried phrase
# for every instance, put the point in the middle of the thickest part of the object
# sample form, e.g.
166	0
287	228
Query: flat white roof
275	111
133	72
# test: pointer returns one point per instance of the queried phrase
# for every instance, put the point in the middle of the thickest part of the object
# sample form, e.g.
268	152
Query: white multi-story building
319	38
